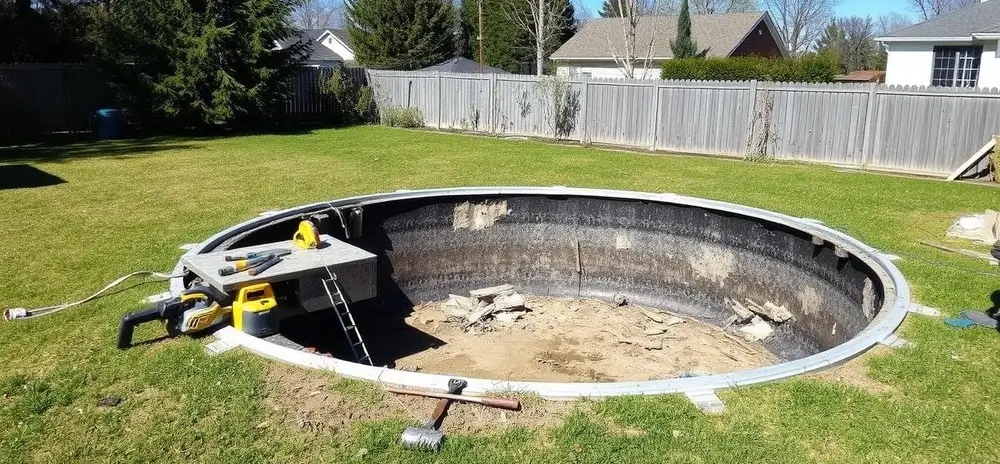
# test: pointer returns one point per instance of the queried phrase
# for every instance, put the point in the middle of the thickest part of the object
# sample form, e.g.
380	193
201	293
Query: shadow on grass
18	176
58	149
66	147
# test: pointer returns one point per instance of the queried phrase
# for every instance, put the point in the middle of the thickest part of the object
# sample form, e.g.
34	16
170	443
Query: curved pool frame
896	300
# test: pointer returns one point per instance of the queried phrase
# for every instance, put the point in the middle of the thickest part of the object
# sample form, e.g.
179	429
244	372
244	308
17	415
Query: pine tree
613	9
393	34
201	63
505	45
685	46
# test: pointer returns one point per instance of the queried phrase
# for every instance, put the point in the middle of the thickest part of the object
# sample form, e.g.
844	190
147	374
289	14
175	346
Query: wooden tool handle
502	403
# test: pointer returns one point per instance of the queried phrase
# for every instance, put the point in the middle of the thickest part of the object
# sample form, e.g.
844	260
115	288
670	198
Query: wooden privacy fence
45	98
48	98
902	129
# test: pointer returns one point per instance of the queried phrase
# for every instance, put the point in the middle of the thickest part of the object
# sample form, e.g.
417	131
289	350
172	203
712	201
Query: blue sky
873	8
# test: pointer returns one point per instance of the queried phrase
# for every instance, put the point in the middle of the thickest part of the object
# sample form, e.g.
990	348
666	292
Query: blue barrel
108	124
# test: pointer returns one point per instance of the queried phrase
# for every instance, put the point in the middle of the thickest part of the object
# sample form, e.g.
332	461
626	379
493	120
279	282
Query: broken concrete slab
743	314
672	320
758	329
508	317
652	316
653	331
479	315
653	345
508	302
489	293
770	311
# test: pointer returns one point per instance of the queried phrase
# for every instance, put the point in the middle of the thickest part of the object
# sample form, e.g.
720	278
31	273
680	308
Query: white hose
12	314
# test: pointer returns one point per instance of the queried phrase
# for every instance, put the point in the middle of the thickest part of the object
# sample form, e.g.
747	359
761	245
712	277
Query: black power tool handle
132	320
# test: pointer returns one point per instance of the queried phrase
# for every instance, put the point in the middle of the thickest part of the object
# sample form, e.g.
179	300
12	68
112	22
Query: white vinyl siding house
959	49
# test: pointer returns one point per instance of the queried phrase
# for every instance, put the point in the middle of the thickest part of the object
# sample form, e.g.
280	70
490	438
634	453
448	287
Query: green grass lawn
127	206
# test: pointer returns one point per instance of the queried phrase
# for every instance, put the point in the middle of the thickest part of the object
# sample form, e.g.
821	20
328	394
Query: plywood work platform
338	256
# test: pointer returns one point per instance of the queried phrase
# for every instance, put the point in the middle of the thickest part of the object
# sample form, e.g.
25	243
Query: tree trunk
540	39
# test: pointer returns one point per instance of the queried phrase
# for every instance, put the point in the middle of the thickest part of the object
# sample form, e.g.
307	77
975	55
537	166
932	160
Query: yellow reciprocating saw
198	308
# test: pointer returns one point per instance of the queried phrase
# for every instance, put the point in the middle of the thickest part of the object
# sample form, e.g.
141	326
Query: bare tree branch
929	9
627	50
543	20
319	14
672	7
801	22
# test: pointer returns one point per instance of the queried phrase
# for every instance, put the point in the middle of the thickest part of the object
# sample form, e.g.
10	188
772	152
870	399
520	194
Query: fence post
868	145
440	96
492	105
585	128
751	112
655	120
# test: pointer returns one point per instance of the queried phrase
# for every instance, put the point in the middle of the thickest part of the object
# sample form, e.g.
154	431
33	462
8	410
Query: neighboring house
592	50
958	49
326	47
463	65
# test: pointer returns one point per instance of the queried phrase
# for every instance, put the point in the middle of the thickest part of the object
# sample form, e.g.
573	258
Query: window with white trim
956	66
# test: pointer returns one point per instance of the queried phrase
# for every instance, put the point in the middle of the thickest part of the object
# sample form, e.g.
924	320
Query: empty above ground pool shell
686	255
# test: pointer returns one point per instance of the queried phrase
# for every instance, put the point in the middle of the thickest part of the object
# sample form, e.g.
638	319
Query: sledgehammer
428	437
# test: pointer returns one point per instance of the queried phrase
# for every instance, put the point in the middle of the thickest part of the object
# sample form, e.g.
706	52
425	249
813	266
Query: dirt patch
325	404
580	340
855	373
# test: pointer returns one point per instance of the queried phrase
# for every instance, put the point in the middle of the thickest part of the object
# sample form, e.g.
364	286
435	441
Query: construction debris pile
755	322
486	309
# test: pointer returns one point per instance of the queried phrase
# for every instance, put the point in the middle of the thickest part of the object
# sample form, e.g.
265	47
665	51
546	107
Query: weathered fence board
47	98
918	130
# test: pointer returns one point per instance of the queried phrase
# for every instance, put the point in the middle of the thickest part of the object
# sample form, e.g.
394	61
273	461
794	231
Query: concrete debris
508	318
743	314
492	292
500	304
653	331
770	311
508	302
758	329
619	300
652	345
672	320
653	316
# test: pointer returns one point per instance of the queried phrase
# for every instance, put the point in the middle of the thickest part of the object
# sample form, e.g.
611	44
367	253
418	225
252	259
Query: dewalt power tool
307	237
198	308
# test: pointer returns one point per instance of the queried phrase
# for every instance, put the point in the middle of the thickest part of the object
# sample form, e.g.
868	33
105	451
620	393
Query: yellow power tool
307	237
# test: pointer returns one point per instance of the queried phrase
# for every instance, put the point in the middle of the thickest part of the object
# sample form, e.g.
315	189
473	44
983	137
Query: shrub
354	104
397	116
814	68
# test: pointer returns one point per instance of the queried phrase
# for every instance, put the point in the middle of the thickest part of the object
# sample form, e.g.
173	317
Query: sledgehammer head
421	439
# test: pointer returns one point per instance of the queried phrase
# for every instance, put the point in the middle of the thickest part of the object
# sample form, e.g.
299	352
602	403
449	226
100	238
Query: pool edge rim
881	327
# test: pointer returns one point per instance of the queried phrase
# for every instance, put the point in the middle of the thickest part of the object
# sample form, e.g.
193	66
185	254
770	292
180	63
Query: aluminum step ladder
347	323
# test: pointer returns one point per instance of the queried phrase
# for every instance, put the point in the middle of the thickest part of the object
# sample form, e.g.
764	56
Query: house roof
463	65
720	33
982	18
317	51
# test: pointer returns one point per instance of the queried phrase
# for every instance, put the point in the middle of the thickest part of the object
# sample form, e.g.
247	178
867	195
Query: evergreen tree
394	34
201	62
685	46
505	44
569	26
613	9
